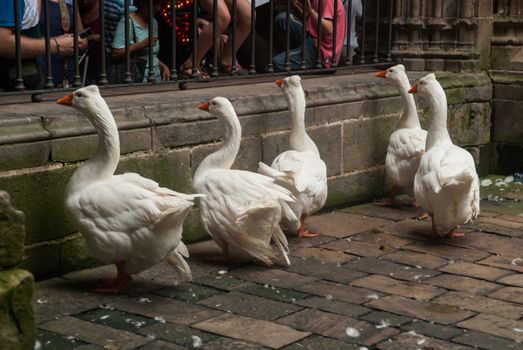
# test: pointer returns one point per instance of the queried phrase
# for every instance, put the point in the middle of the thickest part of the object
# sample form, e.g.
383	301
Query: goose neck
438	132
299	139
409	118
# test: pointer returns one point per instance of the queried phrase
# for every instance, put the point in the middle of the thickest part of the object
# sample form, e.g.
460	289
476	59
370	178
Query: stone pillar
507	39
436	35
17	322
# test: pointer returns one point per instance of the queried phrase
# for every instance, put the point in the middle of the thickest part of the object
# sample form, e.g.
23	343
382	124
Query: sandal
186	73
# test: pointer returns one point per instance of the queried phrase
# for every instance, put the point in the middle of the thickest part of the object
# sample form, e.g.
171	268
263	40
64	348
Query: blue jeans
295	29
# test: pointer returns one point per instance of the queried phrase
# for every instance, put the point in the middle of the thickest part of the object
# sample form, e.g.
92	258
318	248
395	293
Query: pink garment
326	40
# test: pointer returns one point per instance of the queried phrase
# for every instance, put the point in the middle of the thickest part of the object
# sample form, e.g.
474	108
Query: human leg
243	28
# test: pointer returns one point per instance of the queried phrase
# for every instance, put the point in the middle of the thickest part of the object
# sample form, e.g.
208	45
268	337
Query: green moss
42	259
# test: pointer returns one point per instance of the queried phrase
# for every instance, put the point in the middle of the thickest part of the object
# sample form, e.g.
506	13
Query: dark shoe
186	73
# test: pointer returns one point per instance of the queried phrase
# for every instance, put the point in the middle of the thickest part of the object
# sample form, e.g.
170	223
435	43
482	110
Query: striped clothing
113	11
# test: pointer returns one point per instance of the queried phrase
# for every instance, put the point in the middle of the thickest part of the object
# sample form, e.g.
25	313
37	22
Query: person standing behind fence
61	21
113	12
243	28
31	44
327	30
352	39
139	40
90	13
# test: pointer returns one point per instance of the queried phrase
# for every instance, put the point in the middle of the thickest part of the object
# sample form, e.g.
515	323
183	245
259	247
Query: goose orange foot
118	284
455	234
302	232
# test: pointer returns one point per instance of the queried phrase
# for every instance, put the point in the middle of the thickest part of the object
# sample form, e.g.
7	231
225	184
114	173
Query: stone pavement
371	279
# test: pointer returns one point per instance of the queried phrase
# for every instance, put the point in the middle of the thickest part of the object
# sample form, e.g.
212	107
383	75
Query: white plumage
300	170
241	210
446	183
407	142
125	219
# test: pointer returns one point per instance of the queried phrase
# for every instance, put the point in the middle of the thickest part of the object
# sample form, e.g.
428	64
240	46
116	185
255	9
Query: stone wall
164	137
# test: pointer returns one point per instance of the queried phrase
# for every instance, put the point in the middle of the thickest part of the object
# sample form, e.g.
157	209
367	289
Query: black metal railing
370	21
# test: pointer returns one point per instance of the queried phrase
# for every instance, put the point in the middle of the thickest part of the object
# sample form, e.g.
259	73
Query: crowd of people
62	19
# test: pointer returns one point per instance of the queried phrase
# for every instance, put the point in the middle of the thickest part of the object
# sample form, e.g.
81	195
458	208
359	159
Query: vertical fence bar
214	72
234	15
303	64
318	40
76	79
362	47
127	77
173	75
252	68
270	67
194	38
334	62
150	76
103	73
49	74
388	58
287	66
18	47
377	29
348	57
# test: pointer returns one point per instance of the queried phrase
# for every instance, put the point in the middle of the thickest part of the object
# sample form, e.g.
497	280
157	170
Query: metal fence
373	29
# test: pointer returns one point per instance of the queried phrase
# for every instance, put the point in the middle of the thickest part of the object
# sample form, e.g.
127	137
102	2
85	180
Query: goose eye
391	70
78	94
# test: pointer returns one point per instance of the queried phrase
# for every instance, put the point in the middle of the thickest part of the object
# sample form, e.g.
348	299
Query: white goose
125	219
406	143
300	170
446	183
241	210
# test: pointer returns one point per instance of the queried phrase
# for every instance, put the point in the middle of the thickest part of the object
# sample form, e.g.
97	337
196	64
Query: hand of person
82	44
94	38
65	44
145	42
298	6
166	73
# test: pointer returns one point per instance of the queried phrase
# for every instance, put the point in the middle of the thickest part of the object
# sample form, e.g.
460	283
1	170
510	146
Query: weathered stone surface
469	124
410	341
491	324
42	259
391	286
508	127
74	254
464	284
12	232
355	187
24	155
17	322
482	304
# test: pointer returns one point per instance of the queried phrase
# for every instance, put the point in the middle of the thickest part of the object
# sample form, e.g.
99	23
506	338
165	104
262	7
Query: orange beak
382	74
204	106
414	89
279	82
66	100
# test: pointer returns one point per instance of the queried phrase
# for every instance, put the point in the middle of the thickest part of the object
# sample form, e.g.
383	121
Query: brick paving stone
388	213
222	282
512	294
328	325
266	333
338	291
495	325
162	345
171	310
387	268
274	293
317	342
178	334
359	248
340	224
332	272
435	247
428	311
504	262
334	306
382	238
491	243
433	329
273	277
499	226
389	285
514	280
322	255
97	347
187	292
482	304
231	344
412	229
250	305
52	340
514	218
430	262
298	243
116	319
463	284
414	341
94	333
380	317
486	341
475	270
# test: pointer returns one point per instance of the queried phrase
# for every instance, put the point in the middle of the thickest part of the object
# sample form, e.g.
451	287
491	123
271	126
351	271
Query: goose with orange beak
406	143
126	220
300	169
241	210
446	183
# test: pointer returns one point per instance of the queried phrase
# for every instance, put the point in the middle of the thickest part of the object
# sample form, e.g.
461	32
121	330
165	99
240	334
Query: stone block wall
165	137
